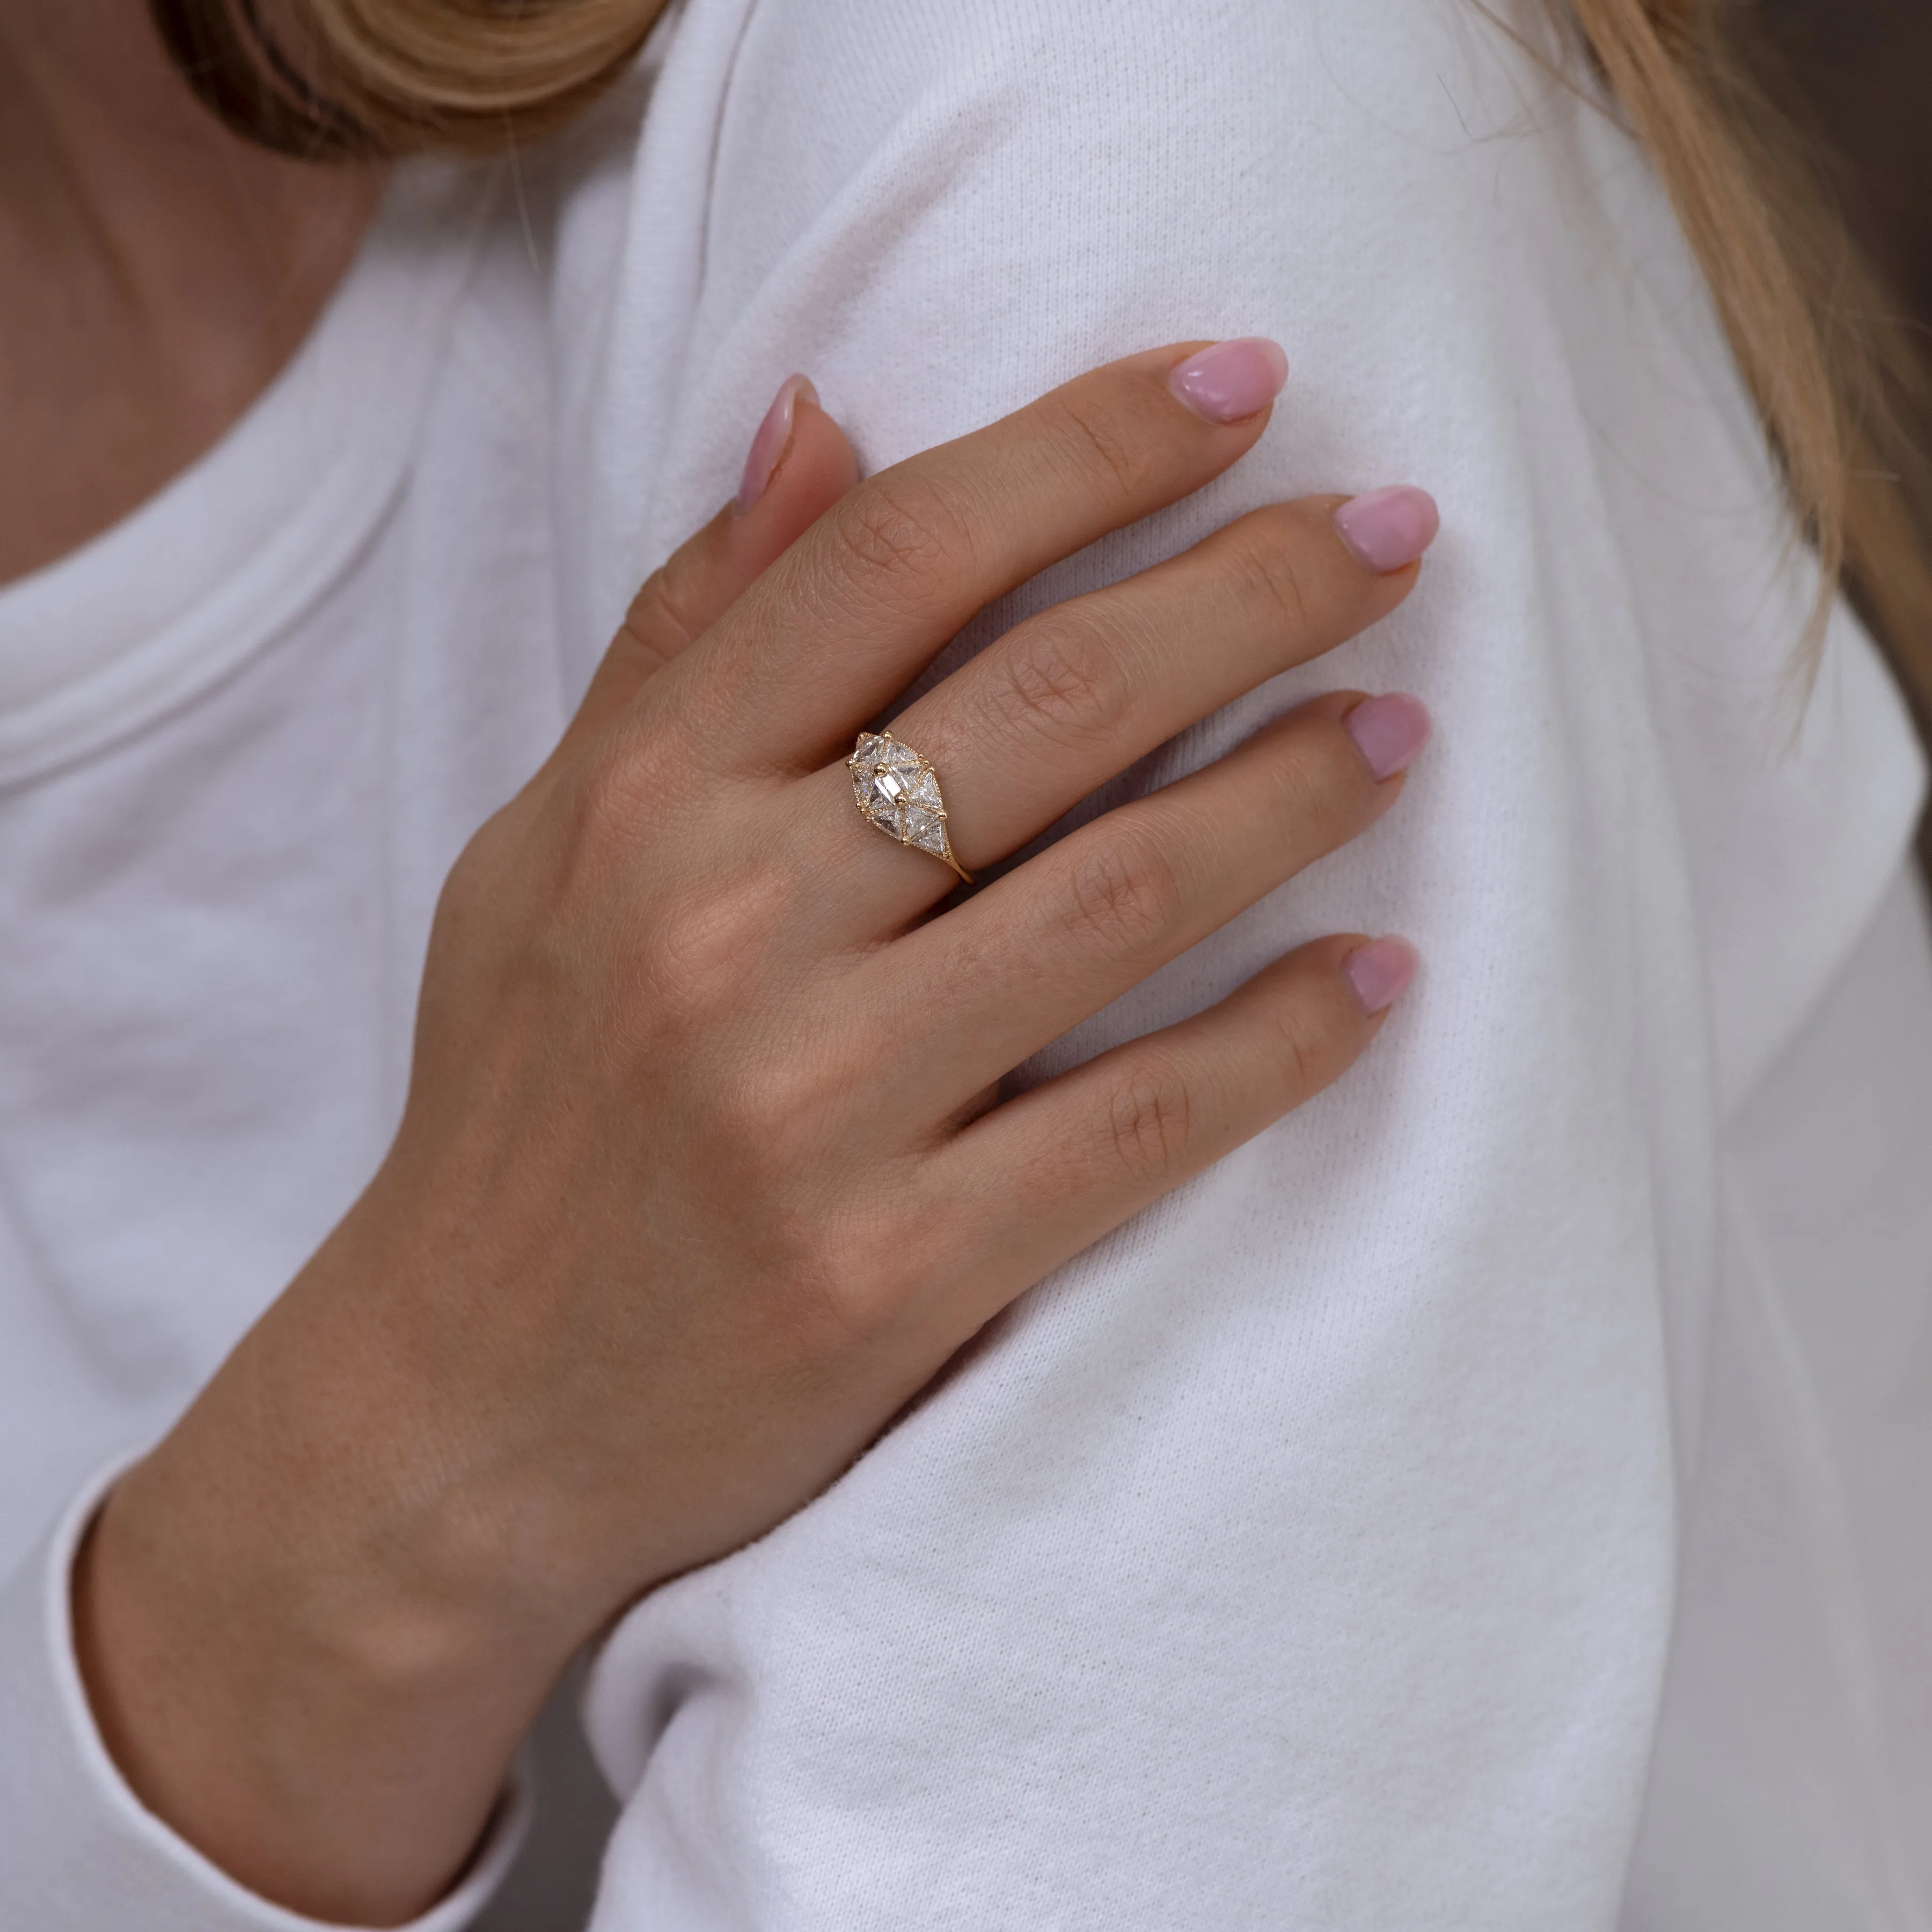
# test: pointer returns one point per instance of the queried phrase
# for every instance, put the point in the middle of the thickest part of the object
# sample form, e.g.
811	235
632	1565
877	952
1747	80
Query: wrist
287	1633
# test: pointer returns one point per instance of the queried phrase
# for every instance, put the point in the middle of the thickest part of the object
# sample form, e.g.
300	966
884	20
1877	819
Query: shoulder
1163	83
1086	132
1053	46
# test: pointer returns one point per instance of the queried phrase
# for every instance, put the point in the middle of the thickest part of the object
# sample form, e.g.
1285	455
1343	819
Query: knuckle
701	960
601	816
644	645
852	1266
1125	898
1297	1056
1321	790
669	612
1062	679
898	534
610	797
867	1276
773	1112
1270	576
591	819
1150	1122
1100	446
473	901
1308	1048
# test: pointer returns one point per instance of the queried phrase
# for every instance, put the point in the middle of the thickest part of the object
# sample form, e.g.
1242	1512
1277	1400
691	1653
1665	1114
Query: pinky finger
1062	1166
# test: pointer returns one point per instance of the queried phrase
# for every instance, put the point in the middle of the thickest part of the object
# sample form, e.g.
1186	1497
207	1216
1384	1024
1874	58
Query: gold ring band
898	791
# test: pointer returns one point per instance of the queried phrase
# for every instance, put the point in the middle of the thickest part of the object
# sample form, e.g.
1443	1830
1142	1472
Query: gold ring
898	791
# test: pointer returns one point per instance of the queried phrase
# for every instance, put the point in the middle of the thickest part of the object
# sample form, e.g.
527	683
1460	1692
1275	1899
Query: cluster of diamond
898	791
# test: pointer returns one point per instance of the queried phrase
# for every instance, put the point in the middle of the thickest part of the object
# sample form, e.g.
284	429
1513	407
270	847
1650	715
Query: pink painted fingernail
1232	380
1381	972
773	439
1389	528
1388	731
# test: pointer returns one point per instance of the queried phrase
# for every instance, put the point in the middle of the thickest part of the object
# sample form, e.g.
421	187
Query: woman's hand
701	1176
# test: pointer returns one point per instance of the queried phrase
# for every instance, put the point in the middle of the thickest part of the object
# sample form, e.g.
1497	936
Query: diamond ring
898	791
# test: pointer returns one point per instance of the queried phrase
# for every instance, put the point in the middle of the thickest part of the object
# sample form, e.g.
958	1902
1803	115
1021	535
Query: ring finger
1068	698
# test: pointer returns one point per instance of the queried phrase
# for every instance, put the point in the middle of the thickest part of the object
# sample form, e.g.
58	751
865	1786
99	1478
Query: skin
158	272
698	1183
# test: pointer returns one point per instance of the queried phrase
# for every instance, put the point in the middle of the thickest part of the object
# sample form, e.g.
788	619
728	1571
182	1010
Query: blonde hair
1833	378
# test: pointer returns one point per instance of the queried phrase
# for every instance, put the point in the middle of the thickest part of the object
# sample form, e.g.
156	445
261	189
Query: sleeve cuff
79	1852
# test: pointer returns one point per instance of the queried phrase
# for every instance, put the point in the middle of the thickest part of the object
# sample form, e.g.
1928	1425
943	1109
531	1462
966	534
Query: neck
156	271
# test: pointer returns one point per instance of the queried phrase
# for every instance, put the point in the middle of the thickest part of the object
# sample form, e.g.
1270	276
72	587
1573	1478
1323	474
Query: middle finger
1056	940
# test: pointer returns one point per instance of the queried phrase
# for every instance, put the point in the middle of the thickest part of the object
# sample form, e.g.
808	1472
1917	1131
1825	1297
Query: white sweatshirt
1491	1500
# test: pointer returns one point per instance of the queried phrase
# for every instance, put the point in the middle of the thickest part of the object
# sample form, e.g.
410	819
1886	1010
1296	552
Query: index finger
845	619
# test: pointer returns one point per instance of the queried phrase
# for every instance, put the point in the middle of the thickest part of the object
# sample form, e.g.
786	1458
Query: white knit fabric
1485	1501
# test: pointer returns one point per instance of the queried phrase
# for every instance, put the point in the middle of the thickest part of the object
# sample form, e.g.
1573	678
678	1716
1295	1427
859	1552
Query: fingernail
1381	972
1389	528
1232	380
1388	731
773	439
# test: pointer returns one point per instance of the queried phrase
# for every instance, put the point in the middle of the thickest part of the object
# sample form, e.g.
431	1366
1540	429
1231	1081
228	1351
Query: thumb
800	464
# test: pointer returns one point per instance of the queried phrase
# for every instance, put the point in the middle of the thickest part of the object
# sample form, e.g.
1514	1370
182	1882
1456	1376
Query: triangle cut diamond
898	791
